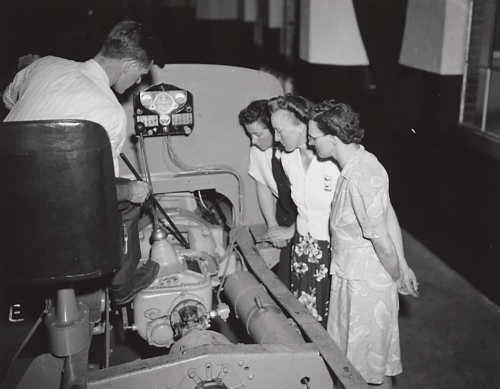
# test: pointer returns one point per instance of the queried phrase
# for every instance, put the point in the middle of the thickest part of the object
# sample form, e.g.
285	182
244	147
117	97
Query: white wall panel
329	33
435	36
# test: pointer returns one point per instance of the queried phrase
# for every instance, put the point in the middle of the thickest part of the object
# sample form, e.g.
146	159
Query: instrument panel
162	110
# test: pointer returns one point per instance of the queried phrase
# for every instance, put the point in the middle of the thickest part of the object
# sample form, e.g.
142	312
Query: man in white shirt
54	88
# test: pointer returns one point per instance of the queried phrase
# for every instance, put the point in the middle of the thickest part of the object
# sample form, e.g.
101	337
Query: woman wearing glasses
312	184
368	263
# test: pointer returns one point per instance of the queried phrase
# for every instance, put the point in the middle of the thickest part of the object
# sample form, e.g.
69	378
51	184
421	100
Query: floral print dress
310	281
363	317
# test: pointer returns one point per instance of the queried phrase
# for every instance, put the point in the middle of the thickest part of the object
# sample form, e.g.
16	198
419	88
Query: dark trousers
131	250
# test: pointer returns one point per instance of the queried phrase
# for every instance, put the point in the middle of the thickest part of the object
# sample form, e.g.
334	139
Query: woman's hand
407	281
280	235
280	243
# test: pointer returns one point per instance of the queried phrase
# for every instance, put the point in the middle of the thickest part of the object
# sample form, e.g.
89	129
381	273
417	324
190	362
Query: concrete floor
450	334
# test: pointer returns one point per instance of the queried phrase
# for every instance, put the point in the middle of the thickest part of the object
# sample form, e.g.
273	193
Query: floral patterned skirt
310	266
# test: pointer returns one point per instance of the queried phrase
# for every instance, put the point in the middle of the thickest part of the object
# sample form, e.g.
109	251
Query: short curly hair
338	119
298	106
256	112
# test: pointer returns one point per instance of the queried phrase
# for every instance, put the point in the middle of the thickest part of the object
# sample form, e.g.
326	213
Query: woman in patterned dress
312	184
368	265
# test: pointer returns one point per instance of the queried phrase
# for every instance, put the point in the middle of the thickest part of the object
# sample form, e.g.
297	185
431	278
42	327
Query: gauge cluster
163	110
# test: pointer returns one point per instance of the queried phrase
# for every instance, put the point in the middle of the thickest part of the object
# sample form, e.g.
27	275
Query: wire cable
229	251
48	305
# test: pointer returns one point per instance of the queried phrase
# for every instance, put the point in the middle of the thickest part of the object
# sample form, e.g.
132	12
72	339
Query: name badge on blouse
328	183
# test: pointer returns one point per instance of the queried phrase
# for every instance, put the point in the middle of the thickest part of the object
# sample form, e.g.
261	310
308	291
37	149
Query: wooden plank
334	359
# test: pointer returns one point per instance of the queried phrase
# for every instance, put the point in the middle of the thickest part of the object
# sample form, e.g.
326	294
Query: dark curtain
381	24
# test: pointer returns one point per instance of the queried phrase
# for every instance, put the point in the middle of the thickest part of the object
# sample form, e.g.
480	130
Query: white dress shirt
260	167
54	88
312	192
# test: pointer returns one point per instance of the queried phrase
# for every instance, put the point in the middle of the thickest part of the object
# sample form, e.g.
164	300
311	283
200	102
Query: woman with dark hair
273	188
368	264
312	183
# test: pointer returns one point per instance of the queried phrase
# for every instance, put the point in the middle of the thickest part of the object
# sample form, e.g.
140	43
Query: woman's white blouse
260	167
312	192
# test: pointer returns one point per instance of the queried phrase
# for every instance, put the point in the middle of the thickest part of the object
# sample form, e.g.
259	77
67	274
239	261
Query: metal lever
177	234
151	192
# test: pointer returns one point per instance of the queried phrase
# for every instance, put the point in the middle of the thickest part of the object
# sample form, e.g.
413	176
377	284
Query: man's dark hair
256	112
133	40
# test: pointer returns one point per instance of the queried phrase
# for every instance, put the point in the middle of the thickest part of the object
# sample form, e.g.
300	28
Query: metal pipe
148	176
265	322
68	325
74	374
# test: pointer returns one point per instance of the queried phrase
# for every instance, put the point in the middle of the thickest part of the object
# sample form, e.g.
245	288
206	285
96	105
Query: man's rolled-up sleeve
11	93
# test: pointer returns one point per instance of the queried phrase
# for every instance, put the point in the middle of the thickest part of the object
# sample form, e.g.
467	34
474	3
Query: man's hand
138	191
27	60
133	191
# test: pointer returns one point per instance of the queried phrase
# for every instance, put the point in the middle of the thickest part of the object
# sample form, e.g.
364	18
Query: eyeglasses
313	138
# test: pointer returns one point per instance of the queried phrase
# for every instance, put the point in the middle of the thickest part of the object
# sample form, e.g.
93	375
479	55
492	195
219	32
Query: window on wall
258	27
287	41
480	109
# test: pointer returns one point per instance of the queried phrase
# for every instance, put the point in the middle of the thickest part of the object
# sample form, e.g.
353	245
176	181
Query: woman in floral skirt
312	183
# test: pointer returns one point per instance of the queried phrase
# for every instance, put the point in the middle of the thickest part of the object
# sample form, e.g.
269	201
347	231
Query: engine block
180	298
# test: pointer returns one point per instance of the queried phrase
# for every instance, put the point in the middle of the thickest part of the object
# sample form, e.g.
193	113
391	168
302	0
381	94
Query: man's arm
11	94
16	80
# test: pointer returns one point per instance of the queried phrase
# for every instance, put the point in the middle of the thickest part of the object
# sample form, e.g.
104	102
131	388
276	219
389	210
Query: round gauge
146	99
165	120
180	97
163	103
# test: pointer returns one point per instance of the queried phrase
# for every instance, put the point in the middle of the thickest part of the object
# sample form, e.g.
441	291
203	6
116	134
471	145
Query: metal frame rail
334	359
